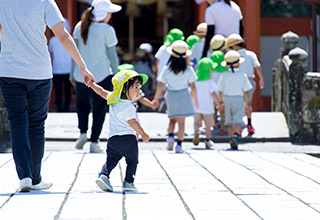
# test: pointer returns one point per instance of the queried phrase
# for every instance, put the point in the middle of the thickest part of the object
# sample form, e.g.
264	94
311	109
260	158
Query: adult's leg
57	81
99	111
67	92
37	113
15	100
83	106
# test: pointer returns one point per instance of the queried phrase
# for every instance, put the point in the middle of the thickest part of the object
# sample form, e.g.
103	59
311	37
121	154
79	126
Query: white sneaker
81	141
128	186
104	183
25	184
41	185
208	144
95	148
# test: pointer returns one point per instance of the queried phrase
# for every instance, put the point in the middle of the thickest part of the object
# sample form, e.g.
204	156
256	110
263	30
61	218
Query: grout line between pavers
228	188
300	174
124	211
297	198
175	187
57	216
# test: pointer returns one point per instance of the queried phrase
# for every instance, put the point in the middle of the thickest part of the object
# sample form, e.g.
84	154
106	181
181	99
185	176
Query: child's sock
171	135
179	142
249	121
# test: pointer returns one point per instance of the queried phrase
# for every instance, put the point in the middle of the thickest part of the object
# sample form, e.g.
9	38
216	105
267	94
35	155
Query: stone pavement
262	180
256	182
270	126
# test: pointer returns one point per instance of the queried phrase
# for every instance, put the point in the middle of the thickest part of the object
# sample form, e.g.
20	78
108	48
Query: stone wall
296	92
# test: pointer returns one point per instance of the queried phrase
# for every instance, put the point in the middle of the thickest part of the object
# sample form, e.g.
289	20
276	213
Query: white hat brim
169	50
224	63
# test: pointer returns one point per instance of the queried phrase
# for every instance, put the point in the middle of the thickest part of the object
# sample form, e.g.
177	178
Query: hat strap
231	64
222	45
179	54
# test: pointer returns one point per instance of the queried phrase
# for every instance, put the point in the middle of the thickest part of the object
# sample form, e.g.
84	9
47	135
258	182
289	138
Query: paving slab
199	184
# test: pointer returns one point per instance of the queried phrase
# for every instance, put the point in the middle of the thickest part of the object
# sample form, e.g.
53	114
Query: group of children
227	89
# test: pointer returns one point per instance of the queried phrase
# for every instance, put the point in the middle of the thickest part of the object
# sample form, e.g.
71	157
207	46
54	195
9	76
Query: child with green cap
123	127
197	48
206	93
192	39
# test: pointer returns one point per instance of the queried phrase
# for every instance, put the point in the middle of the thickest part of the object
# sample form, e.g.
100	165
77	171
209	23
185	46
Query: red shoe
223	132
250	129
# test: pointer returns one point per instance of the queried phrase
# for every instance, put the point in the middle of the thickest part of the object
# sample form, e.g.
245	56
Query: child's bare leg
172	123
208	132
180	121
231	130
237	128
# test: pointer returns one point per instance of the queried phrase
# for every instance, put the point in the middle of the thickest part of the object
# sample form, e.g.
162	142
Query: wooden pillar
251	21
72	13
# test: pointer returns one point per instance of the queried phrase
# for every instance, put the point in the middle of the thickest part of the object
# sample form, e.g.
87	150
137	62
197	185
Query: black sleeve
241	31
210	34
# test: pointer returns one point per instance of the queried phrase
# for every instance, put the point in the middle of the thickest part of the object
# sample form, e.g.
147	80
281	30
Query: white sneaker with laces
95	148
81	141
104	183
25	184
208	144
128	186
41	185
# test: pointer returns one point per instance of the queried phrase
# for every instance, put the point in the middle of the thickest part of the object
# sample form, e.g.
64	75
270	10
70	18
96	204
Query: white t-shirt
163	56
61	60
251	61
234	84
204	95
120	113
100	37
196	55
24	51
177	81
226	19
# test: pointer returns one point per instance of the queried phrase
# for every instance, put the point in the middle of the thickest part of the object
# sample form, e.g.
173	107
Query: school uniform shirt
24	52
251	61
178	81
226	19
119	114
95	52
234	84
61	60
196	50
163	56
204	95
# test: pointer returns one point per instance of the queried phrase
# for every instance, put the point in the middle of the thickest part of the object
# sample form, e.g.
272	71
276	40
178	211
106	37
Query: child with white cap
123	127
206	93
197	48
250	66
97	41
178	77
233	87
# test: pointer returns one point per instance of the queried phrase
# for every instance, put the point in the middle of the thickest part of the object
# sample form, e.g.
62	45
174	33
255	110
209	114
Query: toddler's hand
145	137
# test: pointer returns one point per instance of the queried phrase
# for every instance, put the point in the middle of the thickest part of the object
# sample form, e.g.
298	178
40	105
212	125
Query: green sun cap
217	57
204	67
168	40
125	66
192	39
177	34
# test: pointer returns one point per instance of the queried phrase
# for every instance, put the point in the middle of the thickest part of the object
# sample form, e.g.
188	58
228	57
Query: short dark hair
130	83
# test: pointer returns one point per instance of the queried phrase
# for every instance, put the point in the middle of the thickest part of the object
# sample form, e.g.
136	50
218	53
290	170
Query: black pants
99	108
118	147
62	84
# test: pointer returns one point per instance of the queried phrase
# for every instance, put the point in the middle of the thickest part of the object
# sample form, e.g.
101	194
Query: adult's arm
113	58
241	31
68	43
210	34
